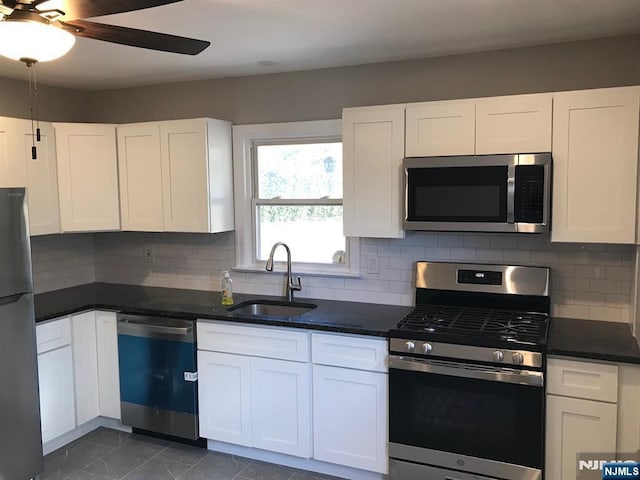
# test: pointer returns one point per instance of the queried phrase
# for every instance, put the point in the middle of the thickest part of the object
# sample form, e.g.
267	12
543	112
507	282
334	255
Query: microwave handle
495	374
511	193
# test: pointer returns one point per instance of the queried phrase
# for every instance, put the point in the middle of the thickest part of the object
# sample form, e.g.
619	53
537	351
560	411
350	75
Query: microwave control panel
529	194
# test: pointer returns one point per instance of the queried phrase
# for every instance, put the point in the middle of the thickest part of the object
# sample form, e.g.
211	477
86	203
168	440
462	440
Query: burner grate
503	324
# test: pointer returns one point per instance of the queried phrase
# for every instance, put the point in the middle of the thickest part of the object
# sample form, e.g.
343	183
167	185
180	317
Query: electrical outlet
148	254
373	265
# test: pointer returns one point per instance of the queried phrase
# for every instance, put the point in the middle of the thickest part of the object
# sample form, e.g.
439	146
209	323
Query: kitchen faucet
291	287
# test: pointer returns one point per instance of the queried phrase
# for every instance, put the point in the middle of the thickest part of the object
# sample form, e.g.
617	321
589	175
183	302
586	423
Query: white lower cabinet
85	367
582	414
577	426
224	397
350	417
57	403
108	369
280	406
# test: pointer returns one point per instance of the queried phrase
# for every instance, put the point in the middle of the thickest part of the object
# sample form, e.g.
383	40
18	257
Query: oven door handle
481	372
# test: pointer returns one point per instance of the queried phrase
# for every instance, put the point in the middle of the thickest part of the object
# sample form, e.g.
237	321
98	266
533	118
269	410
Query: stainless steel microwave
482	193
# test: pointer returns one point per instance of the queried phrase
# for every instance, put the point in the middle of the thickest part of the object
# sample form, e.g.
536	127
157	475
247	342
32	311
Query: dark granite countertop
593	340
587	339
343	317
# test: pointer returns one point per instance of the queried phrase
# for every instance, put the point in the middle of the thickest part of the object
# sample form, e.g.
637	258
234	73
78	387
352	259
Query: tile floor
107	454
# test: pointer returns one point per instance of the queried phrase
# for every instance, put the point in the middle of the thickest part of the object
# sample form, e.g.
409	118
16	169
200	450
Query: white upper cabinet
42	179
595	153
140	177
514	124
13	172
197	175
87	177
441	128
373	144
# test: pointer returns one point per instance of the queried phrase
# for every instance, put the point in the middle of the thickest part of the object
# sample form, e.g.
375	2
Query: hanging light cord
33	108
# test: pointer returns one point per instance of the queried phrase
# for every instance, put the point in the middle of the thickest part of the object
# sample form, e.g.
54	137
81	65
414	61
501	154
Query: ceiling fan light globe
33	40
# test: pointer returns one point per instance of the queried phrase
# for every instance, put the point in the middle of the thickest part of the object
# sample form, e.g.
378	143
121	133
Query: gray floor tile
126	458
65	461
184	454
158	469
266	471
86	476
216	466
106	436
304	475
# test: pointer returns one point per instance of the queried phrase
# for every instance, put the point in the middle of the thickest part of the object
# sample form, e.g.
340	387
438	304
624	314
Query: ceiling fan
42	30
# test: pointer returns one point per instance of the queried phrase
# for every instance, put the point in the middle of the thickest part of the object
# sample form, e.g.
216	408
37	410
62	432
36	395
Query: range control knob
518	358
409	346
427	348
498	356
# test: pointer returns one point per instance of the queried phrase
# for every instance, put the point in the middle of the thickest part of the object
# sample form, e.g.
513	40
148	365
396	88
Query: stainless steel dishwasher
158	375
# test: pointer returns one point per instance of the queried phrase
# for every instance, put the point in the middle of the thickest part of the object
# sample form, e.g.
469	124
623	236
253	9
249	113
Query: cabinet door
224	397
514	124
373	144
85	366
13	172
42	180
575	426
140	177
350	417
87	177
108	371
57	405
441	128
595	154
281	406
184	175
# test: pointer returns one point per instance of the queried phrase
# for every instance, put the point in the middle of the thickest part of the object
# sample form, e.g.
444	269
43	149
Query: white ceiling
310	34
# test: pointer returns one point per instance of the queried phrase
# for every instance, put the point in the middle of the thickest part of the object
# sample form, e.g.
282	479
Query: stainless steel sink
272	308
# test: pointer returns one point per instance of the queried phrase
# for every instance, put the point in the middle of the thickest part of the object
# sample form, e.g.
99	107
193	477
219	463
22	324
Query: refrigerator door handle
11	299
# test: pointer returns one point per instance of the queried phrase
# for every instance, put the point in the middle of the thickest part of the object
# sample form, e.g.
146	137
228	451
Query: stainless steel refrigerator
20	438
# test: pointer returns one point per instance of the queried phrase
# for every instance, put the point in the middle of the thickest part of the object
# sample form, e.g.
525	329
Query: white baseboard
83	429
294	462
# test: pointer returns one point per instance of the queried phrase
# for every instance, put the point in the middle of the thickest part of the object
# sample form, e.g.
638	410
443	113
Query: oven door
472	418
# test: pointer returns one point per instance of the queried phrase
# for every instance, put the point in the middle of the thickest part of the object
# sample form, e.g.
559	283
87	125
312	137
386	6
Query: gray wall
54	104
321	94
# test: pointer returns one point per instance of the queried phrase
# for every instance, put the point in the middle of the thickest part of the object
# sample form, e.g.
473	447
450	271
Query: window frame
245	139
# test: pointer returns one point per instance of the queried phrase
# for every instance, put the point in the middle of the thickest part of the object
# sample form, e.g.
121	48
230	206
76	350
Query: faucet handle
296	286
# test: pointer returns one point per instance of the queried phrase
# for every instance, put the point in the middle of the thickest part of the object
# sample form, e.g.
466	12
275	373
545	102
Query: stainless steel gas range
466	375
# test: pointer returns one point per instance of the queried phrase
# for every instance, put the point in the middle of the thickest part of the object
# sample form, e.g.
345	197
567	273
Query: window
288	188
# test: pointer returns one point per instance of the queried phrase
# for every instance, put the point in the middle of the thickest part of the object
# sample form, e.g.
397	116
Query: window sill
332	273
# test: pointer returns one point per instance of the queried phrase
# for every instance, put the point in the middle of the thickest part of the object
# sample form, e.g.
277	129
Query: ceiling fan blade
8	4
136	38
76	9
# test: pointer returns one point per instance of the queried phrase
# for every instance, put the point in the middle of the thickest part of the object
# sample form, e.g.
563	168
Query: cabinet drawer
361	353
282	343
52	335
592	381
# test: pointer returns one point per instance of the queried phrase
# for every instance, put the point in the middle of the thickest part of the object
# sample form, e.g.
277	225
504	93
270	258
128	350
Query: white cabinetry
595	154
250	400
12	166
514	124
55	377
85	367
440	128
87	177
197	175
581	413
176	176
140	177
355	433
373	145
492	125
108	369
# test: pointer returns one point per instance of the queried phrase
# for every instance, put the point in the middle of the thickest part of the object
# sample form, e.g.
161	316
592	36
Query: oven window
457	194
479	418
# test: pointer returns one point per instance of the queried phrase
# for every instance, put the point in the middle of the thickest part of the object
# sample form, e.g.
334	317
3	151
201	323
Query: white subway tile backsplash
588	281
